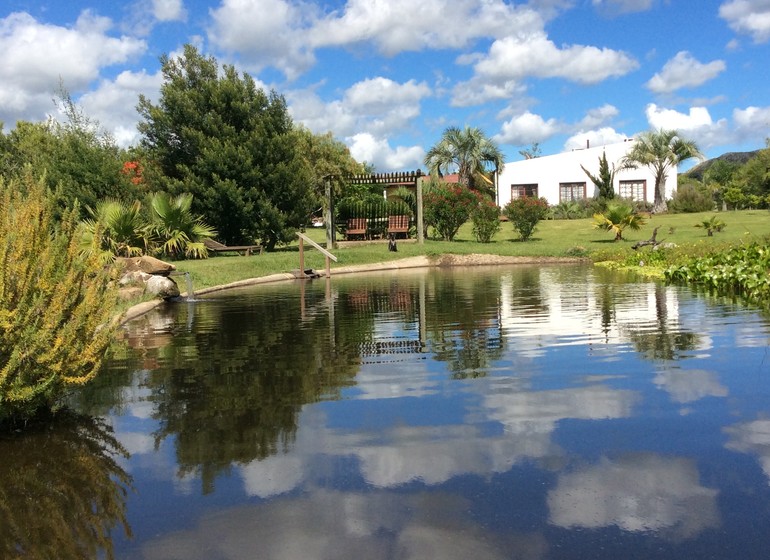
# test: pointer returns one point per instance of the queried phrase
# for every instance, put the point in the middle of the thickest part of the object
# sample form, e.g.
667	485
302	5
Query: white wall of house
559	177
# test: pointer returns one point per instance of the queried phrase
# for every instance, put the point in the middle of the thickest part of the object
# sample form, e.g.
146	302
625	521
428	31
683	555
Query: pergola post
331	238
420	231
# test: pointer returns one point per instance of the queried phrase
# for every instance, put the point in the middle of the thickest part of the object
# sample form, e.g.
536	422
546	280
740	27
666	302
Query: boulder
162	287
146	264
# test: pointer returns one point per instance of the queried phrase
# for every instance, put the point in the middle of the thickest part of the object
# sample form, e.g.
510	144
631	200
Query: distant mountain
731	157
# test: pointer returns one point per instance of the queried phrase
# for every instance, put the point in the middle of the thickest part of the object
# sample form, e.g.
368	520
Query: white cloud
684	71
366	115
113	103
264	33
635	493
534	55
527	128
751	124
29	77
404	25
598	116
169	10
658	117
750	17
697	124
599	137
366	148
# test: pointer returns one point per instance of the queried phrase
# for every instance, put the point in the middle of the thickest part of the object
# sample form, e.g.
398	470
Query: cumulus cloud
684	71
169	10
748	17
527	128
534	55
29	77
696	124
264	33
365	147
751	124
686	386
599	137
431	24
113	103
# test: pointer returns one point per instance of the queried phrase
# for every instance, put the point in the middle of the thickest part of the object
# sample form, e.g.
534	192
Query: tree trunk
660	204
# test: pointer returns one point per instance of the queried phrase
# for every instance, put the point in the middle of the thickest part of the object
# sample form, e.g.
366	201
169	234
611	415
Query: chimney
588	143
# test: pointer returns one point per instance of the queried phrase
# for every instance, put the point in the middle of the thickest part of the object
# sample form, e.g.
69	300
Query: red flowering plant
524	213
133	170
486	220
447	207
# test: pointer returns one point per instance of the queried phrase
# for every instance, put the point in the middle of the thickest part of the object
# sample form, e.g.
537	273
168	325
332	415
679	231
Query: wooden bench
398	224
356	227
217	247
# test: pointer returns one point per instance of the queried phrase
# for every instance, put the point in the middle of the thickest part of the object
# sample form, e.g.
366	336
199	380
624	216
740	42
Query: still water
533	412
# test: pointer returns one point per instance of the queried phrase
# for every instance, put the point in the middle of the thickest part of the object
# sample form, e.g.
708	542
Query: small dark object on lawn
392	243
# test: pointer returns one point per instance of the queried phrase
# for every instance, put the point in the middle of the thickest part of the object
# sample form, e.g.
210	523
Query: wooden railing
327	254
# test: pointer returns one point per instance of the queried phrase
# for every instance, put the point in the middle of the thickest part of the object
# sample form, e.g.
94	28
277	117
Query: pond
534	412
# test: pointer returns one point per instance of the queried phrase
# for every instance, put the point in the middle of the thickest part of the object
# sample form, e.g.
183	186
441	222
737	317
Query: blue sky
388	76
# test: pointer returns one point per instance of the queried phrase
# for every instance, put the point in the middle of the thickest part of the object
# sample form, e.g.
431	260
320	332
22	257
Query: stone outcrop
146	275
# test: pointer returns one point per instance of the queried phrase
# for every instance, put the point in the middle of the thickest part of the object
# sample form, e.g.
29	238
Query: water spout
188	282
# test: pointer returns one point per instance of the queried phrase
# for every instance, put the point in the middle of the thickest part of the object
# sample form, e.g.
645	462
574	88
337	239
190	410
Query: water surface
511	412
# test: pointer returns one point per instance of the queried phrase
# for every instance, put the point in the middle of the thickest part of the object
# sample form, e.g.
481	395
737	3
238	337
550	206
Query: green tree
234	147
532	152
470	154
605	180
525	213
660	151
56	304
78	160
616	218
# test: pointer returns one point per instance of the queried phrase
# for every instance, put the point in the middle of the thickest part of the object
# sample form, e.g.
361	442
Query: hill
738	158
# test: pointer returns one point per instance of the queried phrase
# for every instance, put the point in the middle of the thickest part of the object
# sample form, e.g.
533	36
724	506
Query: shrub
689	198
55	303
524	213
486	220
447	207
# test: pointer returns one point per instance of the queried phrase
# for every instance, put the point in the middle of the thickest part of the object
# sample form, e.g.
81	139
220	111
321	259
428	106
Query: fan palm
121	227
468	152
660	151
616	218
180	232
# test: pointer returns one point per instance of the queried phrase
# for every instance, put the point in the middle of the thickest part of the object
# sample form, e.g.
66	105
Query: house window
521	191
635	190
572	191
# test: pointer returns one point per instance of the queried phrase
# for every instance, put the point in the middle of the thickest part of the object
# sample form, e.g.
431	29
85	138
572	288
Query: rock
147	264
161	286
134	278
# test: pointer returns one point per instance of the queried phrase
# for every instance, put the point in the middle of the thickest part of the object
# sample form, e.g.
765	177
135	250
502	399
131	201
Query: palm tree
468	152
616	218
121	227
660	151
181	232
711	225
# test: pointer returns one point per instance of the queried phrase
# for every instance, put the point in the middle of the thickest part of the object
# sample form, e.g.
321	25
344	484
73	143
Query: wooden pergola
404	178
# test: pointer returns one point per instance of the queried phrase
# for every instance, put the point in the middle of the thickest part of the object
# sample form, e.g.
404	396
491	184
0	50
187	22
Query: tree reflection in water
62	490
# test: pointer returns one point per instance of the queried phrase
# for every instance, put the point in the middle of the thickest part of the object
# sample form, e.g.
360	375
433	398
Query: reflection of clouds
636	493
342	526
753	438
532	412
389	381
435	455
686	386
272	476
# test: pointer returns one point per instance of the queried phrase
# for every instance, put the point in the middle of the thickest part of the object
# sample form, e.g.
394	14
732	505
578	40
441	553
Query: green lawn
555	238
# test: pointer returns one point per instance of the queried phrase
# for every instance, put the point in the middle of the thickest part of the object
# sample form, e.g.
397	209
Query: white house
559	178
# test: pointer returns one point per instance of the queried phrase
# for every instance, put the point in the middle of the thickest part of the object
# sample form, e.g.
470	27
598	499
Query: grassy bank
553	238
